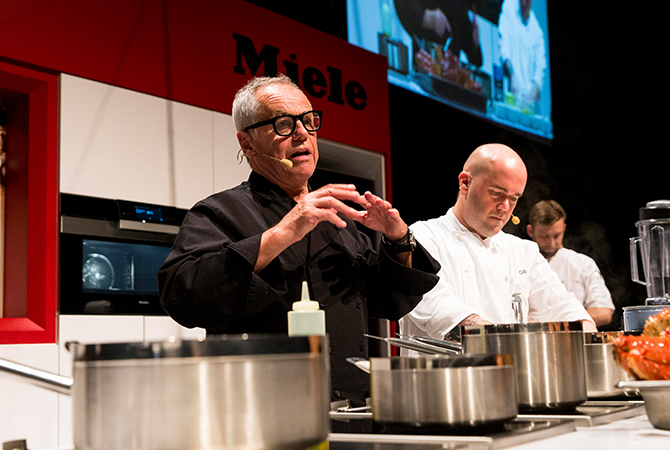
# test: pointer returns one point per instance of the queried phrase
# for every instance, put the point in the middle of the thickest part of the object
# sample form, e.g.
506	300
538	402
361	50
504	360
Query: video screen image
489	58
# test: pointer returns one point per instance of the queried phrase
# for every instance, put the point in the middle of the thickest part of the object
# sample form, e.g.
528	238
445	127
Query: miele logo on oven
315	82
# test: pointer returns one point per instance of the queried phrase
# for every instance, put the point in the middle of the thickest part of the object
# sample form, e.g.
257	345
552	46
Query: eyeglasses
284	125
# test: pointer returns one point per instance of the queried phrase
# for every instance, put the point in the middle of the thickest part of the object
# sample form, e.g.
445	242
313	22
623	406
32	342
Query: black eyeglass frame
297	117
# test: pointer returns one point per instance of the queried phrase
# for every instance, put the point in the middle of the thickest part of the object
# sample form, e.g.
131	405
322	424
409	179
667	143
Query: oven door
102	275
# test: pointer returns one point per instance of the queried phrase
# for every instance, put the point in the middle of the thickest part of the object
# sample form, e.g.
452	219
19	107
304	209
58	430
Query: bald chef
483	267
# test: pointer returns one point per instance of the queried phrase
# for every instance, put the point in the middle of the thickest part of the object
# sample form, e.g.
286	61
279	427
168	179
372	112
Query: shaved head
493	179
492	157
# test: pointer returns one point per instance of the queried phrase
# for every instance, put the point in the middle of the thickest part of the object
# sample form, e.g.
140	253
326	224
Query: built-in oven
110	253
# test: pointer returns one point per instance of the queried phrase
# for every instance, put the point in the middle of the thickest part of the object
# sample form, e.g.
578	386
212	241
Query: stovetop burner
513	432
592	413
358	431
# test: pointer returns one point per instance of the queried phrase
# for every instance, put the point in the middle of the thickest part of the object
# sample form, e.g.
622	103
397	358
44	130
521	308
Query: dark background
607	158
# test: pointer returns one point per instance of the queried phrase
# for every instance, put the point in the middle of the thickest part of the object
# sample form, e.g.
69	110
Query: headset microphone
515	220
286	163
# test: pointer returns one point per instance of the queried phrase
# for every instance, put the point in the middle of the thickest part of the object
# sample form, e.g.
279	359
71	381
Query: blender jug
653	242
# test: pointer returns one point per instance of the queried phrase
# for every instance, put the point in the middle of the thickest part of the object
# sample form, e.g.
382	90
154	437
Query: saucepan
242	391
548	356
656	396
452	391
603	374
549	360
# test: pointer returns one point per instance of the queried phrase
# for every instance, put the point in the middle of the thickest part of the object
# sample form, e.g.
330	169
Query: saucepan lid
540	327
223	345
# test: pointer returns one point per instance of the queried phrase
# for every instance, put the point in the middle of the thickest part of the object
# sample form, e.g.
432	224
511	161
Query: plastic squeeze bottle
306	319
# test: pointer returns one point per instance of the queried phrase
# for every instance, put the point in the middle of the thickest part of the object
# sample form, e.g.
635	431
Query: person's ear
244	139
529	230
464	180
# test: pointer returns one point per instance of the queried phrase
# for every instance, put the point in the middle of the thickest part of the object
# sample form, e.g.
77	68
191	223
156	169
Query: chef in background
578	272
522	50
241	255
482	268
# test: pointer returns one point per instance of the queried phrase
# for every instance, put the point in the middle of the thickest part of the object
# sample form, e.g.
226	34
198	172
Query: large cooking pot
549	360
603	374
464	390
243	391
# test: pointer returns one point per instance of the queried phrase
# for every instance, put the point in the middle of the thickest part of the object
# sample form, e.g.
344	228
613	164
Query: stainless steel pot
656	396
603	374
246	391
549	360
443	390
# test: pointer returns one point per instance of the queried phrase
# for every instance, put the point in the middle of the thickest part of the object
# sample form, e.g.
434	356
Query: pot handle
47	380
361	363
419	344
660	232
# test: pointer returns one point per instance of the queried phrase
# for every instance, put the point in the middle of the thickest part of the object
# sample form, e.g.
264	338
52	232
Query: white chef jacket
523	45
581	276
479	277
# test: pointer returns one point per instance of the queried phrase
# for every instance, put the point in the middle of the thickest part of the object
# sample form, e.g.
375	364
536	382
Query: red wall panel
185	51
31	209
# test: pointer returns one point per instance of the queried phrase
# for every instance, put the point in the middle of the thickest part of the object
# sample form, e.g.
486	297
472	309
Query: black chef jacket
208	281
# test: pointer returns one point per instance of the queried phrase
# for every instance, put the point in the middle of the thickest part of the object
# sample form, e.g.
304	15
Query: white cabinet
163	328
26	411
227	171
117	143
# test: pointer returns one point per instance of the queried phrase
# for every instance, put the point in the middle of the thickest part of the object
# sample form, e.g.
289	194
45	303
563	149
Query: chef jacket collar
265	188
460	231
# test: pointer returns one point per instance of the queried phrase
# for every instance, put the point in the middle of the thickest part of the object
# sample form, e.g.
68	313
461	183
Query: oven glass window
124	268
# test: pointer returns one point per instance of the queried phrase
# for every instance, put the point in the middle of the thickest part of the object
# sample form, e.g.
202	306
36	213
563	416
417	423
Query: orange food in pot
647	357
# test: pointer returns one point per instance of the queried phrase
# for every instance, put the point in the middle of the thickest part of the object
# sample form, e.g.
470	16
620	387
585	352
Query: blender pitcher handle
634	272
658	230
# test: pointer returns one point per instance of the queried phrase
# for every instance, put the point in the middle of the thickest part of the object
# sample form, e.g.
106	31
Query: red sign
200	52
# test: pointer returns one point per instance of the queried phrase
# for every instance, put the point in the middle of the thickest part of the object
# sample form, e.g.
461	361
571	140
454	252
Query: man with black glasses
241	255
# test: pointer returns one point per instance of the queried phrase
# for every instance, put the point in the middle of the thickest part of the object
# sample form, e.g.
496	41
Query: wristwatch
405	244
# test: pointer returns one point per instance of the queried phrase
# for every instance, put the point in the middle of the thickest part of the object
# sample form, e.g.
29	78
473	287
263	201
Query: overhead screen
487	57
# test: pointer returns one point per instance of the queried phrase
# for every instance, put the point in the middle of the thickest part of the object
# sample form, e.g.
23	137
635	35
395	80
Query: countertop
627	434
624	430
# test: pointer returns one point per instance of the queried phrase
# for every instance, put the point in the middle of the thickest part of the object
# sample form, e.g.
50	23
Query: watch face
411	241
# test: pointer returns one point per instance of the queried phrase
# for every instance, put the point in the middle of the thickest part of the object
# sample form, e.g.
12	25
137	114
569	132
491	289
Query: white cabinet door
228	172
117	143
